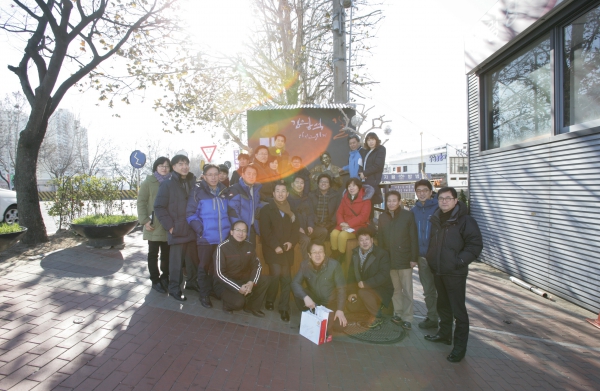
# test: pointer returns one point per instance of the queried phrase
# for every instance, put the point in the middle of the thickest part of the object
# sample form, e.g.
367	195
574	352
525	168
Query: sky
418	61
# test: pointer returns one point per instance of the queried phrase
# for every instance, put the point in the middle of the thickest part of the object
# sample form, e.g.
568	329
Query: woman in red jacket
352	214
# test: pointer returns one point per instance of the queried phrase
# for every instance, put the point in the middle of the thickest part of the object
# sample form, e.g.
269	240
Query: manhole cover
386	334
78	320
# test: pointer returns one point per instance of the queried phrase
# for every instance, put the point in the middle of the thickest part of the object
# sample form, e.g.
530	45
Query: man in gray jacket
325	284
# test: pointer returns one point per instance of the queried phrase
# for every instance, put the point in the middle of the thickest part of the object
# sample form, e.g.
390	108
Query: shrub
10	228
104	220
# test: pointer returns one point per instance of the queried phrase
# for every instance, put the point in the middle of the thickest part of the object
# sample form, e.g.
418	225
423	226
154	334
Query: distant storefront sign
404	177
403	188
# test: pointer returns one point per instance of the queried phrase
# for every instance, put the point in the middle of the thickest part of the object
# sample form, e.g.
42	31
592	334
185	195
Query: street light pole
340	79
422	168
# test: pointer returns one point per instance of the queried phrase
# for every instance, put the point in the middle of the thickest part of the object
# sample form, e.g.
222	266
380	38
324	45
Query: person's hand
362	176
339	314
361	284
278	250
302	231
149	227
287	246
310	230
309	303
171	231
352	296
344	225
243	289
413	264
249	285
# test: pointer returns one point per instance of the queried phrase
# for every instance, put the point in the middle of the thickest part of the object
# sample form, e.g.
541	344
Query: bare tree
359	119
62	32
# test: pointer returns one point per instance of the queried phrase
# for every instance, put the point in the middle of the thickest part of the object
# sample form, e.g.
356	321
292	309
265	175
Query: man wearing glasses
320	281
238	278
455	243
424	208
170	210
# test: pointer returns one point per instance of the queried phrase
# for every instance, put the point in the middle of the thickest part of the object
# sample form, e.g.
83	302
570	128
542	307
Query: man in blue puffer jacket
355	158
423	210
244	202
207	215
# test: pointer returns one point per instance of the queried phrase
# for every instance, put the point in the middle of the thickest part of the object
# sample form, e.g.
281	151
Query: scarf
285	208
363	257
161	178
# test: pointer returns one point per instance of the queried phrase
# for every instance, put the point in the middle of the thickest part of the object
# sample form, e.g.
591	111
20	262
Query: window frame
554	27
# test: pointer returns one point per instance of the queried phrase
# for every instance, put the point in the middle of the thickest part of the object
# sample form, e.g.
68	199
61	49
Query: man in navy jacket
424	208
170	210
244	202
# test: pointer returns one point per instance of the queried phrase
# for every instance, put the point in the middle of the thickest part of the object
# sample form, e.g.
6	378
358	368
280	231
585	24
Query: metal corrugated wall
538	208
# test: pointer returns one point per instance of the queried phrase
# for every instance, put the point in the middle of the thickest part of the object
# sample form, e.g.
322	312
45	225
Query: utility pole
340	78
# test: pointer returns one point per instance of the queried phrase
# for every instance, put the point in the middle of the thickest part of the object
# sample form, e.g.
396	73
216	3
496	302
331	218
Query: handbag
313	325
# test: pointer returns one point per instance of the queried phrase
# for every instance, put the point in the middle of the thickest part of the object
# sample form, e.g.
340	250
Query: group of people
211	227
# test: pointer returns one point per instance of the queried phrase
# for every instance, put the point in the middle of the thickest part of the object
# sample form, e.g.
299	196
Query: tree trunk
28	201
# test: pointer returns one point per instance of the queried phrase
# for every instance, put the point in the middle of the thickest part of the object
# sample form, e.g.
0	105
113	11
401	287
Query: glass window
519	97
581	67
459	165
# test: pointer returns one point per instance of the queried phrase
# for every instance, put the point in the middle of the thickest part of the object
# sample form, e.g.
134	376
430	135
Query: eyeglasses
241	230
446	199
318	253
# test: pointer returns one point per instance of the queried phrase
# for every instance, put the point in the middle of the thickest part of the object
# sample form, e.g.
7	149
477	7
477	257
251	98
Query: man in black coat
398	235
369	282
279	231
455	242
238	279
170	210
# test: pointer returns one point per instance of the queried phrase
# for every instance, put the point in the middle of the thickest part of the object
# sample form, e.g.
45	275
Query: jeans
205	268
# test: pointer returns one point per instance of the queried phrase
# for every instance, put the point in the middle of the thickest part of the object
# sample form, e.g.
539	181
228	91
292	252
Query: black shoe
269	306
227	311
257	313
178	296
157	287
456	355
192	287
439	338
285	316
164	282
397	320
205	301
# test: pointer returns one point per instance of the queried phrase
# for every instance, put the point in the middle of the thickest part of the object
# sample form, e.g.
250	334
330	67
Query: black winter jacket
372	169
398	235
236	264
275	231
301	207
375	273
324	285
455	244
170	207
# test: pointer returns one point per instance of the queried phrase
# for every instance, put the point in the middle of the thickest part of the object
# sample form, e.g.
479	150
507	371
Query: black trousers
205	268
451	306
280	274
178	254
236	301
153	249
368	300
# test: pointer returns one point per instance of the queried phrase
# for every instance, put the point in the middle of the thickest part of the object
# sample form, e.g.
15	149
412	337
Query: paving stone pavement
133	338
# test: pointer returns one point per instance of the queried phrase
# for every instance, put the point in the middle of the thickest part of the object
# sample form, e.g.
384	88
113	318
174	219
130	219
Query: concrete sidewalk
134	338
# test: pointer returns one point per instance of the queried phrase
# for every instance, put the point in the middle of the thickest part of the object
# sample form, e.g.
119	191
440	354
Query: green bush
10	228
104	220
82	195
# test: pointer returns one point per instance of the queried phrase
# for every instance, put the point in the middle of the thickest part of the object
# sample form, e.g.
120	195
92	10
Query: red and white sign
209	151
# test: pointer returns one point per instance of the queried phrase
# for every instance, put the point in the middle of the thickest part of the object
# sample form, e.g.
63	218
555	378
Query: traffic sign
137	159
209	151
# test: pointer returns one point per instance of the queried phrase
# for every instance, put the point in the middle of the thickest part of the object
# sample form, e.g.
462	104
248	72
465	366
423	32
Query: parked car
8	204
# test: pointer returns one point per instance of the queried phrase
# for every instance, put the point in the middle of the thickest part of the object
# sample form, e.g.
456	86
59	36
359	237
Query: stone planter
105	235
9	240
